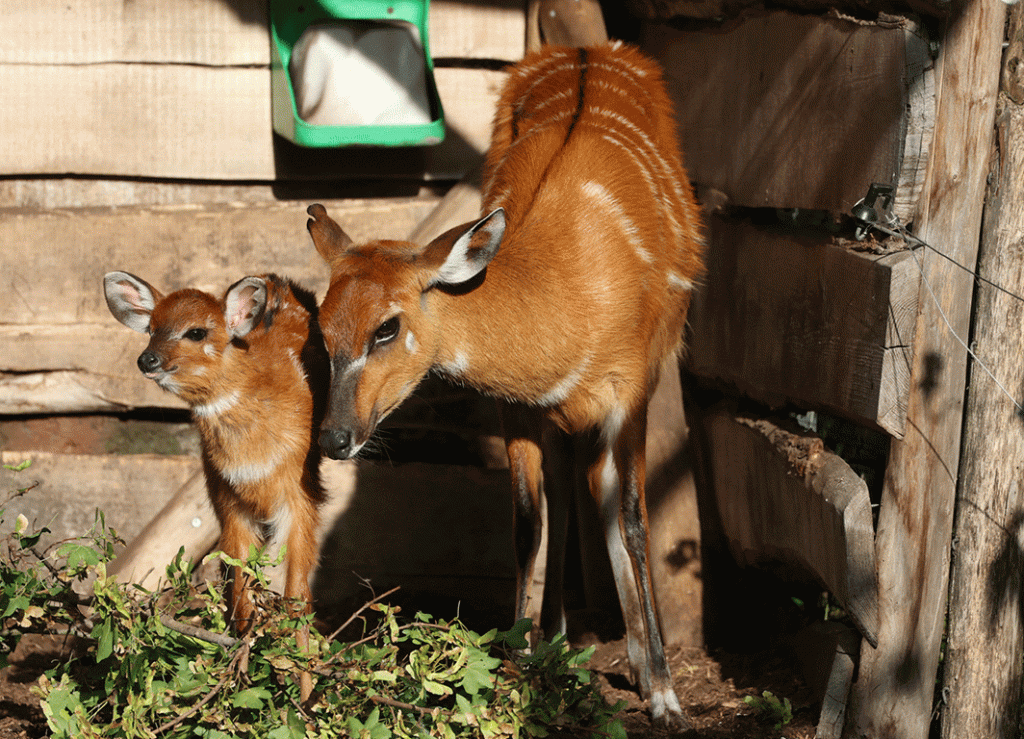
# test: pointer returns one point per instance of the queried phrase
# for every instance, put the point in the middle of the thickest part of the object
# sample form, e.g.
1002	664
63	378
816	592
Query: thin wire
901	232
1020	409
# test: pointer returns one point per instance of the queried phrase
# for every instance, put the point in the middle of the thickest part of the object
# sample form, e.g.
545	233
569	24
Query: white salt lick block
360	73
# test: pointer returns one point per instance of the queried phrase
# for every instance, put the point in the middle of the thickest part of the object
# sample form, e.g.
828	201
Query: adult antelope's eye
386	332
196	334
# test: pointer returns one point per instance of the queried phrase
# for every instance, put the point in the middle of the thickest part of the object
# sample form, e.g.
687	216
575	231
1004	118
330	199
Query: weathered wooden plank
833	707
186	521
982	672
202	122
216	33
896	684
782	496
96	31
198	76
492	30
71	487
790	318
55	260
756	104
82	391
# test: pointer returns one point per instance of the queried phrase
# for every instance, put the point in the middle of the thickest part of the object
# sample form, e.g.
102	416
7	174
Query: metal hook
864	210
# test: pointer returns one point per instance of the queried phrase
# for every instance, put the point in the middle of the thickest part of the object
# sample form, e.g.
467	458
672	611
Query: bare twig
407	706
19	492
355	615
196	632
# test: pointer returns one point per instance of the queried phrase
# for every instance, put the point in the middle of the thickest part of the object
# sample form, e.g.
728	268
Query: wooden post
983	661
894	692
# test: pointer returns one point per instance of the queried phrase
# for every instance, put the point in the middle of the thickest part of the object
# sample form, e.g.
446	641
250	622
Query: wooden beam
198	77
198	122
215	33
756	99
68	490
982	674
896	686
806	508
185	522
802	319
56	259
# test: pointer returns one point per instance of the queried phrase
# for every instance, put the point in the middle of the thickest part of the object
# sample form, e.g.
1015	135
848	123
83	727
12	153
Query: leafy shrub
160	665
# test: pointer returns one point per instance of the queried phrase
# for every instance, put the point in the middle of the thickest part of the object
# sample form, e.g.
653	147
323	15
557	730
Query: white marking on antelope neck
457	366
218	405
607	201
252	471
296	361
168	383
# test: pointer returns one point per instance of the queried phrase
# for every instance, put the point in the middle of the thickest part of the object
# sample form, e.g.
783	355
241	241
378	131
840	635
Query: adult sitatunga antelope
563	300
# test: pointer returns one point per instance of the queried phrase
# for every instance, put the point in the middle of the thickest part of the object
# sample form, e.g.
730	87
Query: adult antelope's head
381	327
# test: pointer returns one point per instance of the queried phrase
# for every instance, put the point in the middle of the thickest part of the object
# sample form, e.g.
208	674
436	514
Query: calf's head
189	330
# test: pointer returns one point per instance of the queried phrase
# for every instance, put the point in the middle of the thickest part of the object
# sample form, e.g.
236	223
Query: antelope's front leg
236	537
525	459
301	555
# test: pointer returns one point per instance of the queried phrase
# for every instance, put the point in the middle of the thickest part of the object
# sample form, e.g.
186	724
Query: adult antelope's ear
466	250
328	238
131	299
244	305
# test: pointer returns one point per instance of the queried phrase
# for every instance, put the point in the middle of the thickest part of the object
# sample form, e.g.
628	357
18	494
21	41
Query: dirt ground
711	689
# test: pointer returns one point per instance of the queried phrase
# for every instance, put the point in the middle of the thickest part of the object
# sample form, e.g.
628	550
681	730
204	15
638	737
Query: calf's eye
196	334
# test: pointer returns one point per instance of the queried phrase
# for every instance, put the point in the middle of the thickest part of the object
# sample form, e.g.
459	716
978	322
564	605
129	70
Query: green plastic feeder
415	116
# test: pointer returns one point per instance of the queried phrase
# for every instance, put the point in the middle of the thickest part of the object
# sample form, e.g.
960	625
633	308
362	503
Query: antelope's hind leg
617	478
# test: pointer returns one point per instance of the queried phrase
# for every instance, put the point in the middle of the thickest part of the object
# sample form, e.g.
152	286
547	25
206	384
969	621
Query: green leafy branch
779	711
159	664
